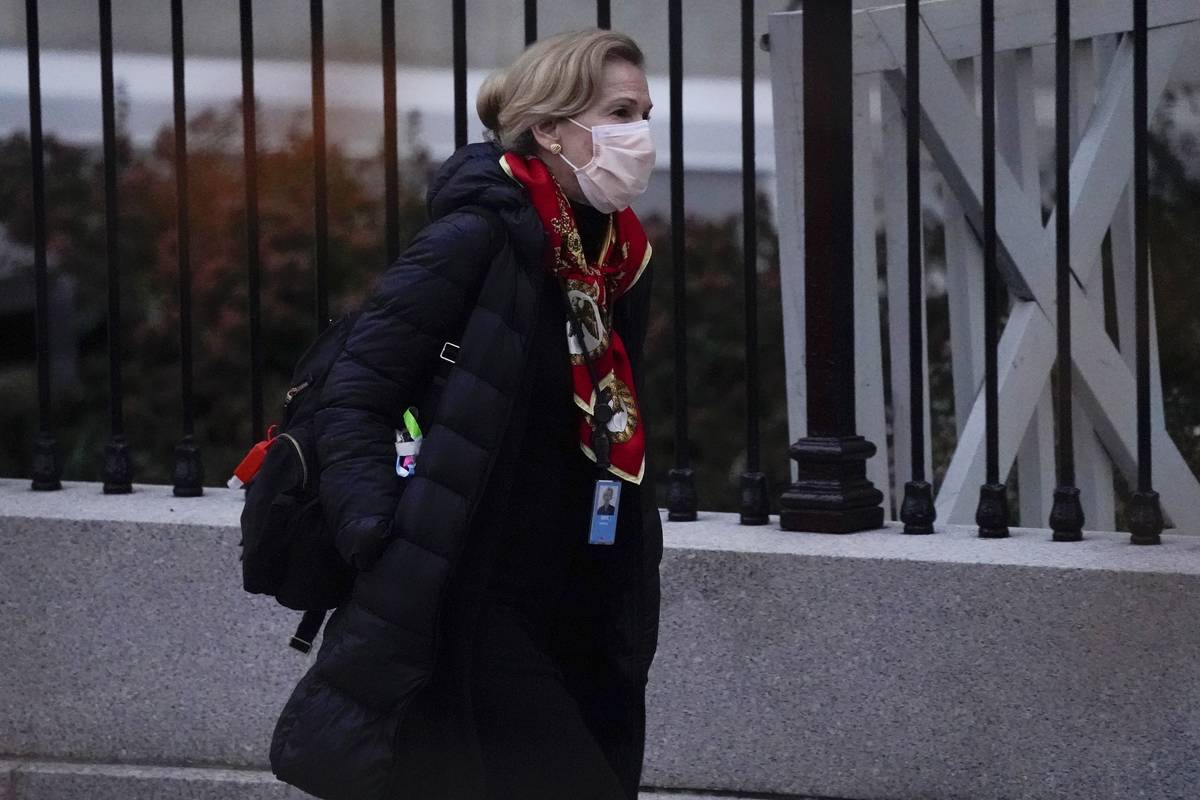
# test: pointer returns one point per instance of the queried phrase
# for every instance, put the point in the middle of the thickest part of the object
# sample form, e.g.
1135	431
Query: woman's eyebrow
632	100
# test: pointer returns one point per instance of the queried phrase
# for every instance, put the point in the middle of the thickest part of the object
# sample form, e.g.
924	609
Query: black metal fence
832	493
187	472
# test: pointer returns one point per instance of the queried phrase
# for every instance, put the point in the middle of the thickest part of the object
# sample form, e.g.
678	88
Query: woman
494	646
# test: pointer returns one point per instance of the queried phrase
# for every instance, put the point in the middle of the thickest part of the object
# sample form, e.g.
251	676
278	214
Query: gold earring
556	148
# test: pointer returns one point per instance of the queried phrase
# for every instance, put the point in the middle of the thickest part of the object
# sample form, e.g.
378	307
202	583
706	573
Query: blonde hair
553	78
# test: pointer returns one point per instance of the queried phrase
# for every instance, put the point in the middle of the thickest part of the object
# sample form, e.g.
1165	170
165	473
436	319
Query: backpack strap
311	622
306	631
449	351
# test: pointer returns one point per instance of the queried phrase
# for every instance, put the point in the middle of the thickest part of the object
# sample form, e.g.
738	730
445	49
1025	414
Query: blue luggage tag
605	502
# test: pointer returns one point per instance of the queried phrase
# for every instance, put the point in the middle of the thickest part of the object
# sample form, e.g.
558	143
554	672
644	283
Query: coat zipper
295	390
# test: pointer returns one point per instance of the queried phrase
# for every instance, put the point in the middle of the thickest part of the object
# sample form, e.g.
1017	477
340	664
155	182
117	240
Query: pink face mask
622	159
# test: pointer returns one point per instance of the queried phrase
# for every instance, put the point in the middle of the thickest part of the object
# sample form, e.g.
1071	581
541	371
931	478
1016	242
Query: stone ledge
86	502
1031	547
958	544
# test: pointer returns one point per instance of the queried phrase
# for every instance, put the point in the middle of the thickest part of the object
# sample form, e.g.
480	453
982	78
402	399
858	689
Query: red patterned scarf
593	289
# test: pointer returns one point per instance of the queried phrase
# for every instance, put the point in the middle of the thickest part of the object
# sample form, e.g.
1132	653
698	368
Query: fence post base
918	512
681	495
47	466
1145	518
755	507
188	469
118	466
832	493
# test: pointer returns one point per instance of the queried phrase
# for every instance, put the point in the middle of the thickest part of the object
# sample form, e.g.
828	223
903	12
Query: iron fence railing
117	471
832	492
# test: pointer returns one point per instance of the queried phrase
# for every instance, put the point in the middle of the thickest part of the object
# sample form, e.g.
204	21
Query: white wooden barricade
1100	204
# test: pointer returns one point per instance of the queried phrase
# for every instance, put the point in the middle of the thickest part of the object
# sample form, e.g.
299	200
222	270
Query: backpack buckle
442	355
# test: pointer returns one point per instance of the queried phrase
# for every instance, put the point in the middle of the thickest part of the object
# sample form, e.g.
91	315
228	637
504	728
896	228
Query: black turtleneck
551	500
592	225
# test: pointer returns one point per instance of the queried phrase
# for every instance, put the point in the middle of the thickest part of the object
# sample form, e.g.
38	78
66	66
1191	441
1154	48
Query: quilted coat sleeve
385	365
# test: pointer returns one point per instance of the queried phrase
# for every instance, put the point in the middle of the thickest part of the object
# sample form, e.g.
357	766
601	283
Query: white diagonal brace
1019	24
952	131
1022	374
1105	384
1103	162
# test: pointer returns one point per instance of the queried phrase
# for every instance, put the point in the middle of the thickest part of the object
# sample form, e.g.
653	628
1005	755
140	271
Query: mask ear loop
569	164
593	158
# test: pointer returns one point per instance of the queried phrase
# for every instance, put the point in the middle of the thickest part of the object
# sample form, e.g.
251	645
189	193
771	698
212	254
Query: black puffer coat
424	547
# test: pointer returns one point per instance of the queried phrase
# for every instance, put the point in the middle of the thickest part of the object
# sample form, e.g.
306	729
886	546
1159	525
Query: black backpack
287	552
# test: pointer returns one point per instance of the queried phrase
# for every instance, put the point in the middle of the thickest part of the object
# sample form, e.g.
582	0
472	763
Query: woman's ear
545	133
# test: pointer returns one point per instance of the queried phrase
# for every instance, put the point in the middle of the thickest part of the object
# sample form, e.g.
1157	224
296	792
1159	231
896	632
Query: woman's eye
621	112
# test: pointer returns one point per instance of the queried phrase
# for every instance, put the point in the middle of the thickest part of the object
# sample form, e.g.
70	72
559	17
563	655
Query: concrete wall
867	667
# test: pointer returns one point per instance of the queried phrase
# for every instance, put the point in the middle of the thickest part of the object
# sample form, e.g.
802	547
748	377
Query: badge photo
605	502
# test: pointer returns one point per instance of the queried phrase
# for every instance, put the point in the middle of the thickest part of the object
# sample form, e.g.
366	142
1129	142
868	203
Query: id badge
605	502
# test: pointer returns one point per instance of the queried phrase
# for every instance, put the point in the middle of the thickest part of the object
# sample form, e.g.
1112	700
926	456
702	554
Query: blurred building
495	34
142	65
